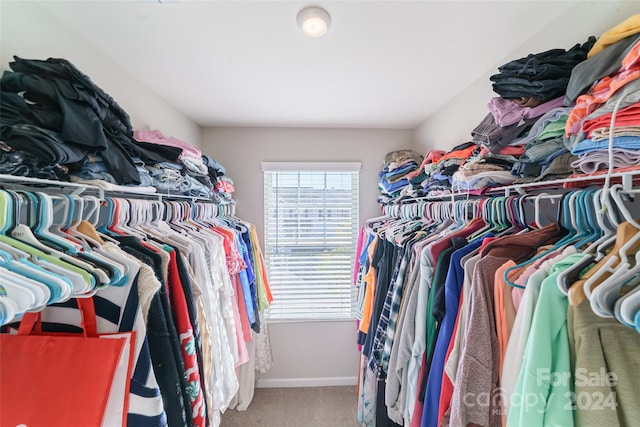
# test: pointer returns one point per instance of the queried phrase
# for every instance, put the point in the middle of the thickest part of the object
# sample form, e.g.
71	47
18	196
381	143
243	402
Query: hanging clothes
168	278
476	310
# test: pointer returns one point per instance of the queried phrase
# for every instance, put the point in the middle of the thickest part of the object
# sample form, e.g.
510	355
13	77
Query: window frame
353	168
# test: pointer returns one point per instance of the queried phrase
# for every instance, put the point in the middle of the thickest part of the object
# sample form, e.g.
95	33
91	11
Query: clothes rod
77	189
626	177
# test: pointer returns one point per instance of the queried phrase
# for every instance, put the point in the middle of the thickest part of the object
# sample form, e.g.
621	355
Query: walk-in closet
329	214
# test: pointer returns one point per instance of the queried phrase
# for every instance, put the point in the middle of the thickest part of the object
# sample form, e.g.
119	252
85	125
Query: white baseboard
306	382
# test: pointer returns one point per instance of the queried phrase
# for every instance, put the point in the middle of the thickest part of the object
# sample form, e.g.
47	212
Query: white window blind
311	231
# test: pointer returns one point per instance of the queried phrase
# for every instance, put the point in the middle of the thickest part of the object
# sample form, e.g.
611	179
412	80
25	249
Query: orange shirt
370	290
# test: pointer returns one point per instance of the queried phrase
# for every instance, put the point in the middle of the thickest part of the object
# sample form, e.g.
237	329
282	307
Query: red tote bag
51	380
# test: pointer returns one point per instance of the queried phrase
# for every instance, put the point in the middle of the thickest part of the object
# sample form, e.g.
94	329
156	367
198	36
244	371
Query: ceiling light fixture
314	21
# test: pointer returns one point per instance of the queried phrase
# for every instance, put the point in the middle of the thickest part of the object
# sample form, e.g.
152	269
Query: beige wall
452	125
305	353
28	31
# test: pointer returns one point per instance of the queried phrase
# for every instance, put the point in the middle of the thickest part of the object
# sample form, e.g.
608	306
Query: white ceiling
383	64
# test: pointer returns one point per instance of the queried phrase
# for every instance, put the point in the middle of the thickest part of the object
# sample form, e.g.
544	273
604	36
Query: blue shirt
627	142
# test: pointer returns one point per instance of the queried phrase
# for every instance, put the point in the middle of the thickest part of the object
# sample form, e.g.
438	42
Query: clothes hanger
54	287
628	306
119	225
505	216
607	233
14	235
522	215
603	298
191	218
579	216
106	217
601	246
45	290
175	221
405	229
90	224
117	270
483	208
38	219
616	192
627	266
106	272
22	229
63	214
512	224
22	297
59	286
564	213
72	227
627	236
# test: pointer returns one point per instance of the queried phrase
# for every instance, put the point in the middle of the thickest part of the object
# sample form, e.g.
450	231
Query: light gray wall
452	125
28	31
305	353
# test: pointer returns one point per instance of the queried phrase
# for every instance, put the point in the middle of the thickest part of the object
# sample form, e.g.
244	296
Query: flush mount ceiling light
314	21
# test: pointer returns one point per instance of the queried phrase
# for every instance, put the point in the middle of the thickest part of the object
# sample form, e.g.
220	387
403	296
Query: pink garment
224	187
506	112
243	354
521	280
516	297
156	137
509	150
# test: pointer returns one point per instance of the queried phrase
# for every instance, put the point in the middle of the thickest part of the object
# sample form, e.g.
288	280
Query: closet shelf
77	189
74	188
625	178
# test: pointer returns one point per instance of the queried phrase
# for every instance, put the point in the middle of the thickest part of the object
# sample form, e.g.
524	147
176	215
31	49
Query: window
311	231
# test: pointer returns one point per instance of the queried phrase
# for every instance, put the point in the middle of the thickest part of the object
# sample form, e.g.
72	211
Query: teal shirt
542	395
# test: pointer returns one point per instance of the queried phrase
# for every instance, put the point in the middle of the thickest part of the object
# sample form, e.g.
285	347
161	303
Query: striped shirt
118	310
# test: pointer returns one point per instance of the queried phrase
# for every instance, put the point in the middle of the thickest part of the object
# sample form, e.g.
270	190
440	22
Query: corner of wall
453	123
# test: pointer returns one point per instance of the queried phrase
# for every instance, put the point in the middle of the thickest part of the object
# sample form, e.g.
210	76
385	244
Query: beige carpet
297	407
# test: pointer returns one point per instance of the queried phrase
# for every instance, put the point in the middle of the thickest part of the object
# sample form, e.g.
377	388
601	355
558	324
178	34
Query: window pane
311	229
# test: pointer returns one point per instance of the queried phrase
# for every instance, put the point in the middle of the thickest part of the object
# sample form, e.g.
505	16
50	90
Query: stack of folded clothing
441	170
222	184
483	172
52	116
539	77
616	89
529	88
185	174
559	167
496	138
419	178
55	123
542	145
93	171
393	177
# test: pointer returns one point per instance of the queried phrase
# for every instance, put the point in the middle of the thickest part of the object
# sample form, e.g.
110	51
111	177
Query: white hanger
630	306
40	292
611	284
616	191
605	295
22	233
